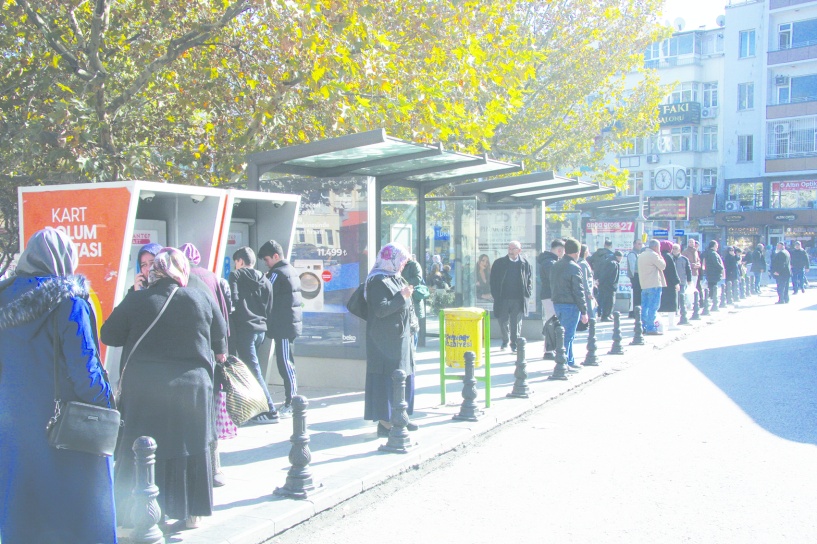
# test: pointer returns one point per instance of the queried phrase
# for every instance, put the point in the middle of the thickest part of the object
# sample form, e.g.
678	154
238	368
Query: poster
622	234
497	228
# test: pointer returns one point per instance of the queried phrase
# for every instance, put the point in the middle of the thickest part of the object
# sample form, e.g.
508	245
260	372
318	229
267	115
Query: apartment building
686	154
769	188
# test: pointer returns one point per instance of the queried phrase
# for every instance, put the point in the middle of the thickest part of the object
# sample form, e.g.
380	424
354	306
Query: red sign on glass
794	185
326	275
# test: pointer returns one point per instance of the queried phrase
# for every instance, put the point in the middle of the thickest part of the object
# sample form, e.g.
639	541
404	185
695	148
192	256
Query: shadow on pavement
774	382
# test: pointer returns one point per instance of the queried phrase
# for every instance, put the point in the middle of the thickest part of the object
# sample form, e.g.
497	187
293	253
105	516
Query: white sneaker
192	522
284	411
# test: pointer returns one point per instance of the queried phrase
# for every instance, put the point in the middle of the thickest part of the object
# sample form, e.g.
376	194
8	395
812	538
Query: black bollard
468	410
638	329
735	292
560	370
706	302
591	359
520	385
299	478
615	349
146	512
742	289
682	307
399	439
696	306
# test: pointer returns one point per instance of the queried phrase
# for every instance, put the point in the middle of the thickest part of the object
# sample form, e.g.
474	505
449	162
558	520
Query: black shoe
549	356
513	348
266	418
412	426
503	347
382	432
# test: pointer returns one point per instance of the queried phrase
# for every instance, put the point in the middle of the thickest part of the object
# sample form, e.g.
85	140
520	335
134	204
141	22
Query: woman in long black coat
167	386
669	294
389	330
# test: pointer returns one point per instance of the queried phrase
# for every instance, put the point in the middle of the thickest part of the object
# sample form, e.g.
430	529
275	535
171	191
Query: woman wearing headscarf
144	260
389	331
49	495
669	294
167	386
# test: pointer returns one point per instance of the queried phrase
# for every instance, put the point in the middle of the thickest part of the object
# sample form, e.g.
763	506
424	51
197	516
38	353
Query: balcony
672	62
797	53
779	4
796	108
791	163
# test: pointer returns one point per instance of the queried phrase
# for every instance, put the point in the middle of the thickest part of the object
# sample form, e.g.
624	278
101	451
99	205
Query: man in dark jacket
544	262
511	289
758	264
608	284
799	267
781	271
713	265
251	295
287	315
567	289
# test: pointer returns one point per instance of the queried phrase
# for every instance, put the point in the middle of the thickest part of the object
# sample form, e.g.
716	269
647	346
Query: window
709	178
791	138
712	43
746	96
746	45
684	138
634	147
677	45
783	94
692	178
709	138
330	238
651	55
318	236
635	183
803	88
750	195
301	235
746	148
685	92
784	36
804	33
711	95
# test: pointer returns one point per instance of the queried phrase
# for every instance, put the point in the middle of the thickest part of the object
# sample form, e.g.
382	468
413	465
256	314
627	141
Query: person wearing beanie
567	292
286	321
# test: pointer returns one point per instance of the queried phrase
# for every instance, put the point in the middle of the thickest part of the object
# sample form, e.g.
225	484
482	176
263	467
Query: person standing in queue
286	322
632	273
511	289
544	263
569	301
651	274
714	271
390	328
167	386
46	321
781	272
799	267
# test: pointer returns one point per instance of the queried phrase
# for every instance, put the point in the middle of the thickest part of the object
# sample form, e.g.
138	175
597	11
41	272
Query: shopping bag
245	397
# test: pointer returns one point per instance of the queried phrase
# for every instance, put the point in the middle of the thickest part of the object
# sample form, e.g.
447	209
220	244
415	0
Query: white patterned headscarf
170	263
390	261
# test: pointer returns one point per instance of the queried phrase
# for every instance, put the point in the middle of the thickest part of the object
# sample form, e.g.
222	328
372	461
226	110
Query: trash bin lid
464	313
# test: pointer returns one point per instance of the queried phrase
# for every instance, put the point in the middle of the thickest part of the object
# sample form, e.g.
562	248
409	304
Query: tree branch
55	44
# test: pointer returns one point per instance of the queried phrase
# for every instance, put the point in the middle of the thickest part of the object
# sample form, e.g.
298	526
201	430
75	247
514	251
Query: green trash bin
463	332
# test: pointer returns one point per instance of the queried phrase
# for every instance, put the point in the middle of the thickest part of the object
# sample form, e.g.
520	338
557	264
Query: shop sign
785	217
732	218
673	208
794	185
744	231
660	232
682	113
706	222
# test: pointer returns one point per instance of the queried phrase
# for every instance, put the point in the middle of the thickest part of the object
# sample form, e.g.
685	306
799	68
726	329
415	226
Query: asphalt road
713	440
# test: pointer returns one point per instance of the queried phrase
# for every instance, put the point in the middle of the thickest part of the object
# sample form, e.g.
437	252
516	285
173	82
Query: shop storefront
747	228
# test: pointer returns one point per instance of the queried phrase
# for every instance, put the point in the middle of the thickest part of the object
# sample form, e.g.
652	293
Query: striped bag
245	398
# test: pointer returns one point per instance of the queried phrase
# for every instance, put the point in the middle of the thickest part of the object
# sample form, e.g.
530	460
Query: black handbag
79	426
357	304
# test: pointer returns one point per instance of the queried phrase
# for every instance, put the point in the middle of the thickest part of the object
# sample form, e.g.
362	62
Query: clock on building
663	179
680	179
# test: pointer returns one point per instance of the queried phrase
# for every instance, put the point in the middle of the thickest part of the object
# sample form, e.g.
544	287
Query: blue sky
694	12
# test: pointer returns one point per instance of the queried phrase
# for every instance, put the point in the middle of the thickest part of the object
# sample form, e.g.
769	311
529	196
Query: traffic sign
326	275
660	232
679	232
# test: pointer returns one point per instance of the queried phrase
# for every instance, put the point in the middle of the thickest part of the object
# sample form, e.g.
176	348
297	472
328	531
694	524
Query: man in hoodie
287	316
544	263
251	295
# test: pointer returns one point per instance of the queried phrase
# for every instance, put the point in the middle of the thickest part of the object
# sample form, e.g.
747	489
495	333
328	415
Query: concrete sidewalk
344	447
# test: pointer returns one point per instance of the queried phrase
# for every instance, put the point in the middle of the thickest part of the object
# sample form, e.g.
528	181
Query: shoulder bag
245	397
357	304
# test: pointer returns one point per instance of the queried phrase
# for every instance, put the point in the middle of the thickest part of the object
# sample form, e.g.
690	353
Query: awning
391	160
540	186
625	207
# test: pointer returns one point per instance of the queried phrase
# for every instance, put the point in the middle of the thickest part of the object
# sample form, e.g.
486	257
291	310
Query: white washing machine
309	272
